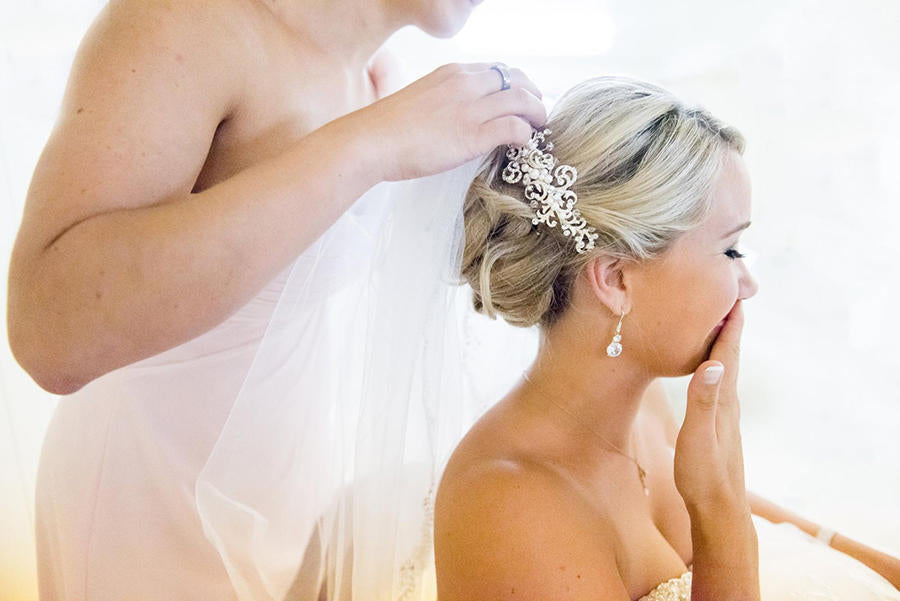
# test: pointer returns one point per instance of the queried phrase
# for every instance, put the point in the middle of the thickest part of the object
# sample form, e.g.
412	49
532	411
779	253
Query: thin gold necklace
642	474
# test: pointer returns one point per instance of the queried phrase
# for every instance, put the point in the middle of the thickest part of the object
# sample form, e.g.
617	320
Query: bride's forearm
884	564
725	558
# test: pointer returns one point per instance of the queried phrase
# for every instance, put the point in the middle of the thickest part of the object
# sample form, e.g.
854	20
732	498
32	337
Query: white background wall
812	84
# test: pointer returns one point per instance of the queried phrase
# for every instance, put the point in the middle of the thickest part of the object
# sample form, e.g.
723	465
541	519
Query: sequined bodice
675	589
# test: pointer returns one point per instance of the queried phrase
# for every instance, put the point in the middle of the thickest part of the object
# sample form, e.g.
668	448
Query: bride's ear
607	282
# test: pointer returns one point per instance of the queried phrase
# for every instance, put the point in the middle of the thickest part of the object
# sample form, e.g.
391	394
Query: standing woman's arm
111	262
117	260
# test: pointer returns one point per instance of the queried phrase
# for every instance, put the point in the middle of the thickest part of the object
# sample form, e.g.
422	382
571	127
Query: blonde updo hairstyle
646	164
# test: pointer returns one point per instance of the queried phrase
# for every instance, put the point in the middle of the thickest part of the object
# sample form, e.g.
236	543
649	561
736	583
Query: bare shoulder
514	529
215	25
150	83
188	44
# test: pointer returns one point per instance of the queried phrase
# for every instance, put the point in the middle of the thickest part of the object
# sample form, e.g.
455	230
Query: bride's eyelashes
733	253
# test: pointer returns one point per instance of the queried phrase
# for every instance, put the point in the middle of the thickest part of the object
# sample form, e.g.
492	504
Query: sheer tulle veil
373	366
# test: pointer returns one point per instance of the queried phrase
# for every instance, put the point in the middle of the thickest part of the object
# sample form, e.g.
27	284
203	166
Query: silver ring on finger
503	70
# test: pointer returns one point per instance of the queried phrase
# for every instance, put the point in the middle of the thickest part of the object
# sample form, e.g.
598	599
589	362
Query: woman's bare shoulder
513	528
227	20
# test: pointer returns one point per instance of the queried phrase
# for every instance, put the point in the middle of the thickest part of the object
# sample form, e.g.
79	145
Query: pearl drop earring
615	347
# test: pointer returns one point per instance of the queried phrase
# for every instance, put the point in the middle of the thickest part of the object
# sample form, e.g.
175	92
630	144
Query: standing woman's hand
452	115
709	475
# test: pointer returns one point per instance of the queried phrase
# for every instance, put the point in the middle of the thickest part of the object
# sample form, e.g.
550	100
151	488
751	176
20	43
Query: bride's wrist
725	531
721	512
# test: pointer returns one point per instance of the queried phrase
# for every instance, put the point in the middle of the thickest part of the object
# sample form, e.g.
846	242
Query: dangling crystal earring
615	347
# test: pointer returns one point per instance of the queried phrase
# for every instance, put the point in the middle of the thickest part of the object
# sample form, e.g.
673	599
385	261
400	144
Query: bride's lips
724	319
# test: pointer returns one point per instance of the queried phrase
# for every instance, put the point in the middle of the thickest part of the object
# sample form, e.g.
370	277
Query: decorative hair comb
553	203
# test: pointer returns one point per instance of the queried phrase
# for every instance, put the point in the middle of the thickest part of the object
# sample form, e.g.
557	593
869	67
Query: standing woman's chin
445	18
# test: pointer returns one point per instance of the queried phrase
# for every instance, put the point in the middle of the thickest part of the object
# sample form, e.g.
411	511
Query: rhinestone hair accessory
547	188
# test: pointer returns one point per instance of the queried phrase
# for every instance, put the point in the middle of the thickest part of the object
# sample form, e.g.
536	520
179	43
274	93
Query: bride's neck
573	379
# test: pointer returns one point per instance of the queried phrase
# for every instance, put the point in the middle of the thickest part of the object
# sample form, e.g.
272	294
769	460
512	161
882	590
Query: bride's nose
748	285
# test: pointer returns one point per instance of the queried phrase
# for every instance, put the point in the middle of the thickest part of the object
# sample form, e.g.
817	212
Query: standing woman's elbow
32	346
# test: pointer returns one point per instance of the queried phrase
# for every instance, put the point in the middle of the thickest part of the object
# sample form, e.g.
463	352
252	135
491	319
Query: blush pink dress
116	516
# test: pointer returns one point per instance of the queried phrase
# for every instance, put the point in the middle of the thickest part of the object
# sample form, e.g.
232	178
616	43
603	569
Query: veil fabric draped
323	478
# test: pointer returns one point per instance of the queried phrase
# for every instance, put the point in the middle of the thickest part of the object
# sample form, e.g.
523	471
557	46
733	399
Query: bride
616	232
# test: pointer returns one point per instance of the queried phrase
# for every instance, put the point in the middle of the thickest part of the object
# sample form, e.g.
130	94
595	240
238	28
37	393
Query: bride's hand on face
452	115
709	463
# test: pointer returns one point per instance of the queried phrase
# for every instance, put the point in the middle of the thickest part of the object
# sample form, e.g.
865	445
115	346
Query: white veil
373	367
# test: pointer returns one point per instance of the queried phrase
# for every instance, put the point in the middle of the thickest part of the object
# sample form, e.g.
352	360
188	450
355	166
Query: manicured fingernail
713	373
